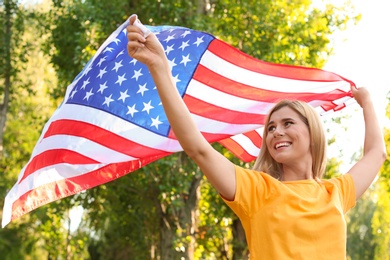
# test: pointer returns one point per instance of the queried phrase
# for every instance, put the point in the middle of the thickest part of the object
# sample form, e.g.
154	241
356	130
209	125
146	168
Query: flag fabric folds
111	121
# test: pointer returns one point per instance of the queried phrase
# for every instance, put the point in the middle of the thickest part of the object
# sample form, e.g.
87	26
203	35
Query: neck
296	173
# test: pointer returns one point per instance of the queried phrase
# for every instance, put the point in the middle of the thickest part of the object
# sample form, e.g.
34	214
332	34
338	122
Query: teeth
282	144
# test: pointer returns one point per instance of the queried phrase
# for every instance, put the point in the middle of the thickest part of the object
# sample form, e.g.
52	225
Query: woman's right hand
146	50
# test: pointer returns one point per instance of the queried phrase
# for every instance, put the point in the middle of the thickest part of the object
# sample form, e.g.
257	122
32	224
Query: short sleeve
346	188
252	188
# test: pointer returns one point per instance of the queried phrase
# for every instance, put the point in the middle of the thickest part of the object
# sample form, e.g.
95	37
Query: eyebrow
283	120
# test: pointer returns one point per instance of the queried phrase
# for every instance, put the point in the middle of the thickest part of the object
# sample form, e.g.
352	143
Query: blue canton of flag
116	83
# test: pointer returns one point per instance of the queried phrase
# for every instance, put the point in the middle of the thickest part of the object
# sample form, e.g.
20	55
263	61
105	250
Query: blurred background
167	210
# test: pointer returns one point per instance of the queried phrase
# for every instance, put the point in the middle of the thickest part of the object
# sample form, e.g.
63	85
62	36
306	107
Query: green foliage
166	209
278	31
17	241
39	234
360	243
136	218
381	219
381	222
332	168
369	225
215	219
156	201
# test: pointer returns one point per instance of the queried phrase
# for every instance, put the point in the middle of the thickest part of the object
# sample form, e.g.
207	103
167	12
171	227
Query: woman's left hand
361	95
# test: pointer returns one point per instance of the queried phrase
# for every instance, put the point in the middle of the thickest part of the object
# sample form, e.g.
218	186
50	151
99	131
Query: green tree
381	219
293	32
368	221
162	211
158	210
255	34
360	242
12	29
16	241
10	23
28	108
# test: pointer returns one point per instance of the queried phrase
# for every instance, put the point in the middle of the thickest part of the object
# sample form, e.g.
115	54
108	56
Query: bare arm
374	153
218	169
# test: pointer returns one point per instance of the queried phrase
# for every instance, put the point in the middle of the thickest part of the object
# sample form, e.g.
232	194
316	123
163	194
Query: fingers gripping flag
111	121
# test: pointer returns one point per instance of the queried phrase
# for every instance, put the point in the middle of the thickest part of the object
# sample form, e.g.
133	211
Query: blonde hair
310	117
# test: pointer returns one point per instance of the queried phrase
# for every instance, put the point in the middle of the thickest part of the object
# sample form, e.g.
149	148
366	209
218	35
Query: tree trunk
240	249
166	230
8	5
192	211
166	239
183	219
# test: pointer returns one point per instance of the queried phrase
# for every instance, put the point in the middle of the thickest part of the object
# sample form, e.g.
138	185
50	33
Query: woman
287	211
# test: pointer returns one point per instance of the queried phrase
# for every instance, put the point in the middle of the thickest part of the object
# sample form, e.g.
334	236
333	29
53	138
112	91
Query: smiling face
293	133
288	137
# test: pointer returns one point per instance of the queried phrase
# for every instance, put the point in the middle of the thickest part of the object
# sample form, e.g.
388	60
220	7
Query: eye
288	123
271	128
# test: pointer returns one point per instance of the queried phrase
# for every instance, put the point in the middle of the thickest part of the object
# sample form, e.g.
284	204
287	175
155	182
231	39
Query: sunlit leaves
167	209
360	243
381	219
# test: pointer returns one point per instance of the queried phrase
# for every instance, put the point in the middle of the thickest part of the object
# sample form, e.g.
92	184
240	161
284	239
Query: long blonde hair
310	117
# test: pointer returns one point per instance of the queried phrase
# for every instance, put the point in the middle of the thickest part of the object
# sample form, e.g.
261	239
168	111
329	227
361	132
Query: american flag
111	121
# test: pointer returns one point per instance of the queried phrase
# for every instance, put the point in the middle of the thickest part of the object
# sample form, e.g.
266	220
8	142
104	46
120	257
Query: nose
278	132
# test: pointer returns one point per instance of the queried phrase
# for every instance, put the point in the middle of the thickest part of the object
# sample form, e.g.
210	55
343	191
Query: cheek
268	141
309	144
307	141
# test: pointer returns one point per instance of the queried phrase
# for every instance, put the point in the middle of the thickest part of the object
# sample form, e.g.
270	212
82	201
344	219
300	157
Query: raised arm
374	153
218	169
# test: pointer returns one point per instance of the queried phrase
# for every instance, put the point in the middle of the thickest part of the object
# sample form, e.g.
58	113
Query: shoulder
250	181
345	179
252	189
253	175
344	186
343	183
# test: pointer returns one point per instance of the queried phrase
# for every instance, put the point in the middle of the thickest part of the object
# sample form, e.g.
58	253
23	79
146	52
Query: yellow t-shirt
293	220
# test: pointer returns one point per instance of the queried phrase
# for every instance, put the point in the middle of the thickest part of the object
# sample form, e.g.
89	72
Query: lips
282	144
